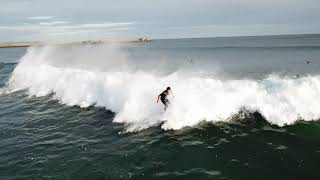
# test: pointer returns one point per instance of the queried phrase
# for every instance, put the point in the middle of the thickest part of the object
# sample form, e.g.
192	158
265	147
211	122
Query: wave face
105	76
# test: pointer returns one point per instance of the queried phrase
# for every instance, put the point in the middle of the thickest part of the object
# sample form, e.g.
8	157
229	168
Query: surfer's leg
164	103
165	106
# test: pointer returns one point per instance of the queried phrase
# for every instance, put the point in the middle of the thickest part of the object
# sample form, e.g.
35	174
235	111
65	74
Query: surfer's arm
158	98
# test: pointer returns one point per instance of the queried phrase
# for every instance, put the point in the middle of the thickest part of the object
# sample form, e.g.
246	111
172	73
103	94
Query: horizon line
203	37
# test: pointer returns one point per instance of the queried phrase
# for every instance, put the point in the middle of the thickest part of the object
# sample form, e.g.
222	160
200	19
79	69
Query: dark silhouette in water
163	97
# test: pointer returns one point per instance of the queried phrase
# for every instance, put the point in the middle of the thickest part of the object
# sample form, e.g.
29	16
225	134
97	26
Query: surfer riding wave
164	97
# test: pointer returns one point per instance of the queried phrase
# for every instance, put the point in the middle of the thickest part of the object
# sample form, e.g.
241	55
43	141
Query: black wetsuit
163	98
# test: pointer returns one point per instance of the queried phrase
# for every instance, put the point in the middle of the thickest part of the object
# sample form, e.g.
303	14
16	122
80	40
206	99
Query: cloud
66	31
107	25
40	17
52	23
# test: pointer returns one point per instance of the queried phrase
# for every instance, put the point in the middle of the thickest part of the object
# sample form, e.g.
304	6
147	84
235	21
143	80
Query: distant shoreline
139	40
13	46
3	46
19	44
85	42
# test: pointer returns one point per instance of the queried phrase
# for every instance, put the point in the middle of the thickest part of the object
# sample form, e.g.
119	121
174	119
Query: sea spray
104	76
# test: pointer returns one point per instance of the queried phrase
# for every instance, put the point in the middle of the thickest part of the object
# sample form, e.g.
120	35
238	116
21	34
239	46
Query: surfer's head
168	88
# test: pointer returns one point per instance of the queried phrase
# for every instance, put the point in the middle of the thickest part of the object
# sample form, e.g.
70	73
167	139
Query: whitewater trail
102	76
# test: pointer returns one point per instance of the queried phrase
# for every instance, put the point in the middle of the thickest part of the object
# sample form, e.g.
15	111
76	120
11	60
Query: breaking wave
104	76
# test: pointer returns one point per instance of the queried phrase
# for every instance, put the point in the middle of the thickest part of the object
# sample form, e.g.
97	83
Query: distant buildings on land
92	42
144	39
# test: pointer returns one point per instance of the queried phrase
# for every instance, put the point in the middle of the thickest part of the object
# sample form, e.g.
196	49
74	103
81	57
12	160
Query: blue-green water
48	133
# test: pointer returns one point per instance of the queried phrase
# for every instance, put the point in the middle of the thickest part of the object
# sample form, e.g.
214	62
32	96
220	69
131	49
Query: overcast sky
69	20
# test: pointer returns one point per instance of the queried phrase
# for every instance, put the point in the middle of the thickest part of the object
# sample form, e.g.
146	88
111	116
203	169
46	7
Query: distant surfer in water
163	97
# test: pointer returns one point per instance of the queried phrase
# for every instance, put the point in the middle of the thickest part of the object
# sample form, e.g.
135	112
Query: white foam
105	79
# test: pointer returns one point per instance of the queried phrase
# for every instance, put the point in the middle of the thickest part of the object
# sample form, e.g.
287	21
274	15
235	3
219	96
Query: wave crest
105	79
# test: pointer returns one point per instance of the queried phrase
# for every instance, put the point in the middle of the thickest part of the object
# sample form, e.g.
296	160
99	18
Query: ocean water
242	108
